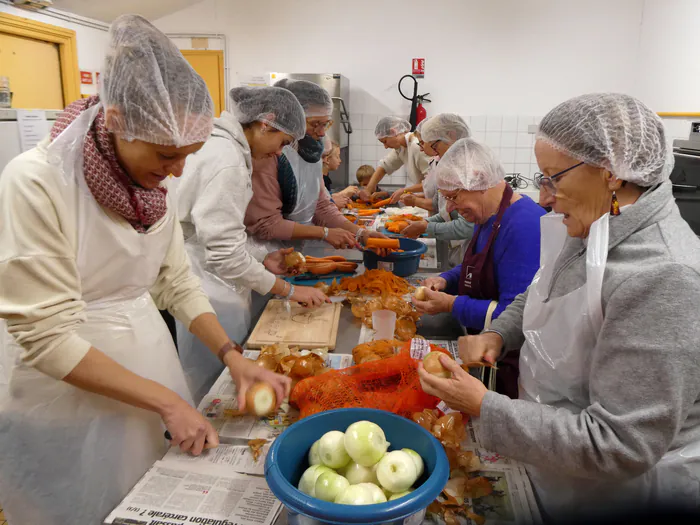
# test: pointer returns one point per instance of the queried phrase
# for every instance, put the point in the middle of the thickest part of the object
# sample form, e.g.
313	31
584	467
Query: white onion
308	479
355	495
396	471
329	485
378	495
400	494
416	459
314	457
365	443
331	449
356	474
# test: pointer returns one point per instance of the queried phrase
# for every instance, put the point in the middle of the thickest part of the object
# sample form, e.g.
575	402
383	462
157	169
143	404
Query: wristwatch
229	347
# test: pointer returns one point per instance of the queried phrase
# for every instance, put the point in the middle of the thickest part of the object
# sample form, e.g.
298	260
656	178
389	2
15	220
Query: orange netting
389	384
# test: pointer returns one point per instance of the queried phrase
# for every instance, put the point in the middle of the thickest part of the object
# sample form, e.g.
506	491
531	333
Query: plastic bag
390	384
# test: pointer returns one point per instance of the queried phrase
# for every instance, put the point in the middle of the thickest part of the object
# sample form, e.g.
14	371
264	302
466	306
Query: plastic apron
554	363
70	456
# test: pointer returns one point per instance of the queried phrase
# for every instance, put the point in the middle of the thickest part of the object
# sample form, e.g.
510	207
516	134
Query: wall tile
510	123
523	155
534	168
369	121
494	123
507	155
477	123
368	138
356	120
509	139
524	170
380	151
493	139
509	167
356	137
354	164
524	122
525	140
355	152
479	136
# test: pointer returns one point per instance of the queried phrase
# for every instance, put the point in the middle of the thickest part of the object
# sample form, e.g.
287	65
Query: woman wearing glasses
503	254
395	134
609	411
289	200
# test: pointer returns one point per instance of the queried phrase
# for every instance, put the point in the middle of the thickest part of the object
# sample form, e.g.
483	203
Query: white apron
309	177
554	366
69	456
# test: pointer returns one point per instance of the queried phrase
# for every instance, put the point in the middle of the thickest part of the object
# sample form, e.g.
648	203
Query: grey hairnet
272	105
313	98
612	131
446	127
159	98
391	127
469	165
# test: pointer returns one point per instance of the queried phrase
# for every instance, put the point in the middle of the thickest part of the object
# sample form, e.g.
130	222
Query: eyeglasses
319	126
453	200
432	144
547	183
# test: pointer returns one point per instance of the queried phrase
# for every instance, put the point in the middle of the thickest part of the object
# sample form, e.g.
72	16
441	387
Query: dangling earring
614	205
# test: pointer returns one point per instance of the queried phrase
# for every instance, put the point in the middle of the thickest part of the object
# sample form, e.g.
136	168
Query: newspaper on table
177	495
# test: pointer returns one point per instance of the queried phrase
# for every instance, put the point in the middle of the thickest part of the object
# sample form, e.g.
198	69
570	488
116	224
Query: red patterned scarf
108	182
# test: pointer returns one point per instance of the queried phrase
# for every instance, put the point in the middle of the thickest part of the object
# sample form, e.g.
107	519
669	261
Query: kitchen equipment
305	327
287	460
685	177
338	87
403	263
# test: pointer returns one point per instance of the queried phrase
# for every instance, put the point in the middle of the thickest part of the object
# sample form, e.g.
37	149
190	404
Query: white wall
483	57
91	43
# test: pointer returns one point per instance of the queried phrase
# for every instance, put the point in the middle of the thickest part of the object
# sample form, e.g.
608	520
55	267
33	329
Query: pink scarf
108	182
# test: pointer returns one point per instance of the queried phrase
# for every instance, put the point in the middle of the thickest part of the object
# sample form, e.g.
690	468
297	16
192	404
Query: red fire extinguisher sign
419	67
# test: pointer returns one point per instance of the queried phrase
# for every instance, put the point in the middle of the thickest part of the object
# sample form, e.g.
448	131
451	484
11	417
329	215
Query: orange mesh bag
389	384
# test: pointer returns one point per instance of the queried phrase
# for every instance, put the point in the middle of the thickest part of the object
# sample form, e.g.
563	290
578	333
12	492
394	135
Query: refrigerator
338	87
10	145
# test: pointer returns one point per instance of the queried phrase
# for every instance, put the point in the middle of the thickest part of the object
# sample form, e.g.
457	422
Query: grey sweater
644	379
458	229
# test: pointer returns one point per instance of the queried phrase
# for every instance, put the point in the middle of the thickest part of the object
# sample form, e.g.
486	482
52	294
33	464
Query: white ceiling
108	10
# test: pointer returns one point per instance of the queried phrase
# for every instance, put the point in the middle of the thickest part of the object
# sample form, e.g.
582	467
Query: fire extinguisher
418	112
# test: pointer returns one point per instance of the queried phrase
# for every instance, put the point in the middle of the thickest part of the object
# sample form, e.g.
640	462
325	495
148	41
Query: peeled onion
261	399
378	495
331	449
396	471
365	442
295	260
420	293
432	365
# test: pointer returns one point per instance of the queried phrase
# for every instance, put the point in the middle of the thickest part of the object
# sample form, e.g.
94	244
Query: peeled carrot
381	203
346	267
362	213
376	242
320	269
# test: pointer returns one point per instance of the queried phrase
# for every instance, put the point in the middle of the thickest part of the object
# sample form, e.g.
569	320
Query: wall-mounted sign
86	77
418	67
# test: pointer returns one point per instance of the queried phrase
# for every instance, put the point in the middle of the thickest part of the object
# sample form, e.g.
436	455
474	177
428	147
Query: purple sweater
516	255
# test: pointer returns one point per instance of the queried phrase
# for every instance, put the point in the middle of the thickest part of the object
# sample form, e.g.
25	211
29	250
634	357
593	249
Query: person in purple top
503	255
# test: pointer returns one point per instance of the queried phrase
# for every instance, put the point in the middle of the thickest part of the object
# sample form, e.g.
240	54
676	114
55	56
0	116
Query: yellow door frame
67	48
220	57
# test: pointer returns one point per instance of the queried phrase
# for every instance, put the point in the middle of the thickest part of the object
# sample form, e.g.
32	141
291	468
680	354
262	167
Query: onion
355	495
366	443
416	459
378	495
261	399
356	474
331	449
267	361
314	457
400	494
396	471
295	260
432	365
420	293
307	483
329	485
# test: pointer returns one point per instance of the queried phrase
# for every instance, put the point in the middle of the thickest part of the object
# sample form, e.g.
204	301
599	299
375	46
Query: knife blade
223	440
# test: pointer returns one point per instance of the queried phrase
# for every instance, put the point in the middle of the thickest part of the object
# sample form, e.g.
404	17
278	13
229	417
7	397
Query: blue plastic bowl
403	263
287	460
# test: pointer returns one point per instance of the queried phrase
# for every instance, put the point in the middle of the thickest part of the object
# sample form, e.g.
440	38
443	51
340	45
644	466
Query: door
35	87
210	66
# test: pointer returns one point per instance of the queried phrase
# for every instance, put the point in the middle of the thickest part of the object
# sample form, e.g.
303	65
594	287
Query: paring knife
223	440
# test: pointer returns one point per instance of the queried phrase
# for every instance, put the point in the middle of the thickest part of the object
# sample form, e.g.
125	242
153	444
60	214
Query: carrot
330	258
320	269
375	242
381	203
363	213
346	267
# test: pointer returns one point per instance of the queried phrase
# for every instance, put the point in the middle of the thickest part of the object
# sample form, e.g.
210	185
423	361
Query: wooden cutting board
305	327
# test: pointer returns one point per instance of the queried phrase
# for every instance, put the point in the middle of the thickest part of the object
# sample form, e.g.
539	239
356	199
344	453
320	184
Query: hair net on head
158	96
612	131
313	98
391	127
470	166
446	127
272	105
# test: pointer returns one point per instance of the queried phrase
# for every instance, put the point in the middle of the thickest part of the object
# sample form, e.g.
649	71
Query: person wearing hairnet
503	254
609	412
290	203
436	135
395	134
90	248
212	197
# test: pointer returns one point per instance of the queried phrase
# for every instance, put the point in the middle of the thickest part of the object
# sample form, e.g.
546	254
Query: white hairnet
469	165
272	105
446	127
612	131
158	96
313	98
391	127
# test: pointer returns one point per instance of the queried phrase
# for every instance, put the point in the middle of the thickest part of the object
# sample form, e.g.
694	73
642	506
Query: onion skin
252	402
432	365
420	293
